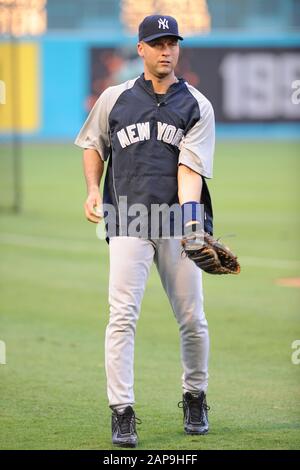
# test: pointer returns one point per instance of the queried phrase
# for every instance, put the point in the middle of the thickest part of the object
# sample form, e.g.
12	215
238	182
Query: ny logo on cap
163	23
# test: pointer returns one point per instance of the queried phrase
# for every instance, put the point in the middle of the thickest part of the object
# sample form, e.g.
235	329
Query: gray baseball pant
130	262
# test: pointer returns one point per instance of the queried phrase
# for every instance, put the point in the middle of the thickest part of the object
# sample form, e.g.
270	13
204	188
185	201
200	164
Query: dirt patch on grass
289	282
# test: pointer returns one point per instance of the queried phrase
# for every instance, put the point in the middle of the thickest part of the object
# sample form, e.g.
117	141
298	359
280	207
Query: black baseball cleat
195	415
123	426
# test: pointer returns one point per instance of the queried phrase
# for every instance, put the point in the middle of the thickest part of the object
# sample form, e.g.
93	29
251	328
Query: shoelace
126	420
196	409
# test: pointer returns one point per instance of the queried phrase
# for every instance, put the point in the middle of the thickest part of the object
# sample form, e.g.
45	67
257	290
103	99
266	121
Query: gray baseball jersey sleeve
197	146
94	133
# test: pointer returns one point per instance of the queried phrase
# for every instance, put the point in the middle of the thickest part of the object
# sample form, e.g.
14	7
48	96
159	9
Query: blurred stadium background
56	57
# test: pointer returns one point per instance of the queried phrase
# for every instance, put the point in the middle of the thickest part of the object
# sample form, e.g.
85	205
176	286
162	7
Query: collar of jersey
148	86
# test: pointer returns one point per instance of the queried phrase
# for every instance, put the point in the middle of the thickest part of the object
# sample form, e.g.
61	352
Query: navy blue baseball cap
157	26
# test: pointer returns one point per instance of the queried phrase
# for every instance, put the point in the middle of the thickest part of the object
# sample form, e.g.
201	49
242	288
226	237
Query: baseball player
157	134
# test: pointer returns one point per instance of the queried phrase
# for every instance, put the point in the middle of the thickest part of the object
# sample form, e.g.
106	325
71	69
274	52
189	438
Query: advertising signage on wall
244	84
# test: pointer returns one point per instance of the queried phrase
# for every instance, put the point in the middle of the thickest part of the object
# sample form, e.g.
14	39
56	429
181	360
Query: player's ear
140	49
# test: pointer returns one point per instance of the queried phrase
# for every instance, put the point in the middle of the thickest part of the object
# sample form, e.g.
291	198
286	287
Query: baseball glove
209	254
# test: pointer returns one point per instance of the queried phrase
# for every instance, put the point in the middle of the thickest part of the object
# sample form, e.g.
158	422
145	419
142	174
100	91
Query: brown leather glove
209	254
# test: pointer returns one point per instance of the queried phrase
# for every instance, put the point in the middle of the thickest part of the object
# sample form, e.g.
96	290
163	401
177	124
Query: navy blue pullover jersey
144	141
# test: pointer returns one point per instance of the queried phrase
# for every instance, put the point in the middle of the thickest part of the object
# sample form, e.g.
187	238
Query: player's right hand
93	207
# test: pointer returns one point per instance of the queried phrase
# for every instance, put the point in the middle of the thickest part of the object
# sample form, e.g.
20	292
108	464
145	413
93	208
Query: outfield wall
253	82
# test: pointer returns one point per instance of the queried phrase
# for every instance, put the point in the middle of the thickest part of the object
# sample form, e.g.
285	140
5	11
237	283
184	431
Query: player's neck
161	85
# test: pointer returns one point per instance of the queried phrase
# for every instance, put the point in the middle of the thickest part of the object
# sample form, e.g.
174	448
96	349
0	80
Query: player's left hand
209	254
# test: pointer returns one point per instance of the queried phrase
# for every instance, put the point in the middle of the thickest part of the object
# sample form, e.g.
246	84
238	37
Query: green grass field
54	279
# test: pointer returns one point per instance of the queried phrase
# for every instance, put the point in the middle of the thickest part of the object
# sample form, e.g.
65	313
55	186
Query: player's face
160	55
